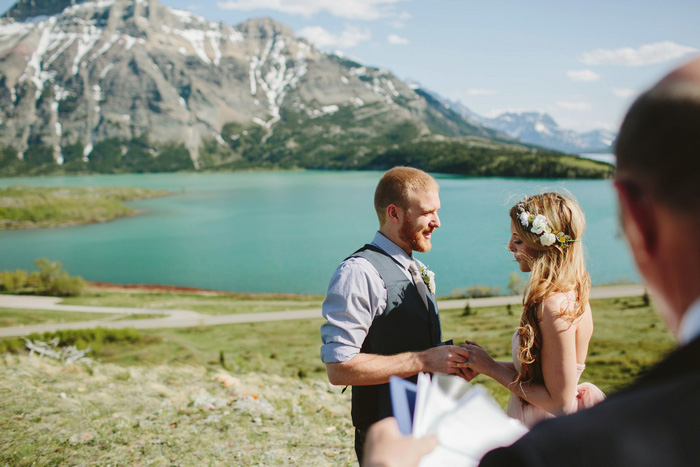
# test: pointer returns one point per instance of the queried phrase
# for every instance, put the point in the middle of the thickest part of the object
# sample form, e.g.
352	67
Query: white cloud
350	37
582	75
578	106
624	92
649	54
351	9
393	39
400	23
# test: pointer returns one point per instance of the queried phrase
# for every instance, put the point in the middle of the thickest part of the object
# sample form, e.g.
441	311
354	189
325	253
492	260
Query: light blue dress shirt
689	328
356	295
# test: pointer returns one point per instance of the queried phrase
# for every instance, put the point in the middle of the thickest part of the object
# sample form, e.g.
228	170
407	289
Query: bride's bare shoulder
558	304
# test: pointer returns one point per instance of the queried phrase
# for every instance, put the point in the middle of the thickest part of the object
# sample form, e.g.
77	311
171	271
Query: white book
466	420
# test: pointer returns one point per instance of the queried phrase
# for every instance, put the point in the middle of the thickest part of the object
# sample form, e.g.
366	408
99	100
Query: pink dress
587	395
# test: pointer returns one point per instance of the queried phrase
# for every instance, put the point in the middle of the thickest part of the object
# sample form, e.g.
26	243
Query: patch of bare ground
167	416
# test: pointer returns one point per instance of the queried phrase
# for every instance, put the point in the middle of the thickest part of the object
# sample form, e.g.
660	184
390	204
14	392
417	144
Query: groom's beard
414	238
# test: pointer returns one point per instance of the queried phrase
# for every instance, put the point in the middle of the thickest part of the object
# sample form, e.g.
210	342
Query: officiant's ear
638	218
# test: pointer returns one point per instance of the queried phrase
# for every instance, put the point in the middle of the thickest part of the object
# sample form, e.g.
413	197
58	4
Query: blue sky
581	62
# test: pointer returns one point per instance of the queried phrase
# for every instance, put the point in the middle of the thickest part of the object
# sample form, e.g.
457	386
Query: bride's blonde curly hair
554	269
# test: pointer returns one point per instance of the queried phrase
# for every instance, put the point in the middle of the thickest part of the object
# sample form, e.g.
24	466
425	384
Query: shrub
13	281
516	283
50	279
480	291
11	345
63	285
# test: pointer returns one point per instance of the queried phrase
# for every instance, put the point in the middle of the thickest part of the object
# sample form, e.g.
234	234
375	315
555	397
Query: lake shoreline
166	288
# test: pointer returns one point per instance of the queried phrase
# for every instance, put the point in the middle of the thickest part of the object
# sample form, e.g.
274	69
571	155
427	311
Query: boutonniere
429	278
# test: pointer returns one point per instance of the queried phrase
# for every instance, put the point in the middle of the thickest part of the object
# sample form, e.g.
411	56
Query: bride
550	346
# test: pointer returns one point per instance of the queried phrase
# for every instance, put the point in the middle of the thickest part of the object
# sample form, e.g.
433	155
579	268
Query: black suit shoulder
655	422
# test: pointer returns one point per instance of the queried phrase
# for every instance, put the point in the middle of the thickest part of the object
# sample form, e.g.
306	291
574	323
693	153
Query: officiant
380	309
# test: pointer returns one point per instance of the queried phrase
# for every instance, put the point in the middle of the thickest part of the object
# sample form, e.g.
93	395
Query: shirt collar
392	249
689	328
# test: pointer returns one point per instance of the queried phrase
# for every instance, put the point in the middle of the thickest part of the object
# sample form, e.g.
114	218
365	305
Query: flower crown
539	225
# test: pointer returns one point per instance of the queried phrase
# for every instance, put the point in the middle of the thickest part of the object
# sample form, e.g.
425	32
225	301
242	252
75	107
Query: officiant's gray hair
395	186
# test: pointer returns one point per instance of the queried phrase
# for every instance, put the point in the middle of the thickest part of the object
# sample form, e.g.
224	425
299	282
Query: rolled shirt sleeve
356	294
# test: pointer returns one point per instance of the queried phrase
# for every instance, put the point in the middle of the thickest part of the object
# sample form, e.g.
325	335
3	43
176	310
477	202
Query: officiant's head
407	202
658	186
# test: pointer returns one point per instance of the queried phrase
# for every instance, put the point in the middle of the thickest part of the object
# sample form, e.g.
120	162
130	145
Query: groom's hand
447	359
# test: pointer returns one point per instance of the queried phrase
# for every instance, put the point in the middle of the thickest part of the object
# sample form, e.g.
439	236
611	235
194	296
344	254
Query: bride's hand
479	360
467	373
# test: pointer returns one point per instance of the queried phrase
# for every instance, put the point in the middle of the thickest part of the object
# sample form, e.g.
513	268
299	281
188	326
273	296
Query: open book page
465	418
437	396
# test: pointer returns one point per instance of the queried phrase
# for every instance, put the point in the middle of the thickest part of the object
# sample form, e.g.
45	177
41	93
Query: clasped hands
467	360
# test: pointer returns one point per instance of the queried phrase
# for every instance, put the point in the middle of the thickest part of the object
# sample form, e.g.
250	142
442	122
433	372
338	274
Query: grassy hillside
483	158
24	207
249	394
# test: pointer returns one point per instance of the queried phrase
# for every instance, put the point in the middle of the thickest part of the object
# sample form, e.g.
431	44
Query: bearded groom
380	309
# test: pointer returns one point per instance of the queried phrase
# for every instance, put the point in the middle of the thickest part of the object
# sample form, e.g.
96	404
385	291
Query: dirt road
189	318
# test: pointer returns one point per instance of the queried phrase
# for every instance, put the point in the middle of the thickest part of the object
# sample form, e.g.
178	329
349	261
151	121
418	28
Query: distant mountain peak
264	28
25	9
539	128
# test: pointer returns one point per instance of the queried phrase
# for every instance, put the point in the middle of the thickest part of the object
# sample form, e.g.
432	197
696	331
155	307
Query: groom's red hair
396	184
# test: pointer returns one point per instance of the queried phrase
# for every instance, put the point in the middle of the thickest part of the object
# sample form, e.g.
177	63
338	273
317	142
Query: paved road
189	318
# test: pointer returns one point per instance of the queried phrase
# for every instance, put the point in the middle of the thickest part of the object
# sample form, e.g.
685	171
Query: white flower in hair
547	239
539	224
524	218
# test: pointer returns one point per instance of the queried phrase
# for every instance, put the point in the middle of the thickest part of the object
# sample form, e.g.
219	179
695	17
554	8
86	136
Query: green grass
165	415
628	336
211	304
24	207
141	403
17	317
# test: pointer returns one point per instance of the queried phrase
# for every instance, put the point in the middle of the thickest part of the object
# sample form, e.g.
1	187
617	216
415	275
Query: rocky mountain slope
77	73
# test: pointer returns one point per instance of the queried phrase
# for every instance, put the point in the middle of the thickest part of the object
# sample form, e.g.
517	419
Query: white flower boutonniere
429	278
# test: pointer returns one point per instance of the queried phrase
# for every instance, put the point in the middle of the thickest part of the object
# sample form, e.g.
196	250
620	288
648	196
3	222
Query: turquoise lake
287	231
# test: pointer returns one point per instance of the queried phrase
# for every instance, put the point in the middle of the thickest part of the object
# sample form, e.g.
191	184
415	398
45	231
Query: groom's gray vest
405	326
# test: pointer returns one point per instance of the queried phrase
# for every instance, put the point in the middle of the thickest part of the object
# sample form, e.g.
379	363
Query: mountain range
538	128
135	85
